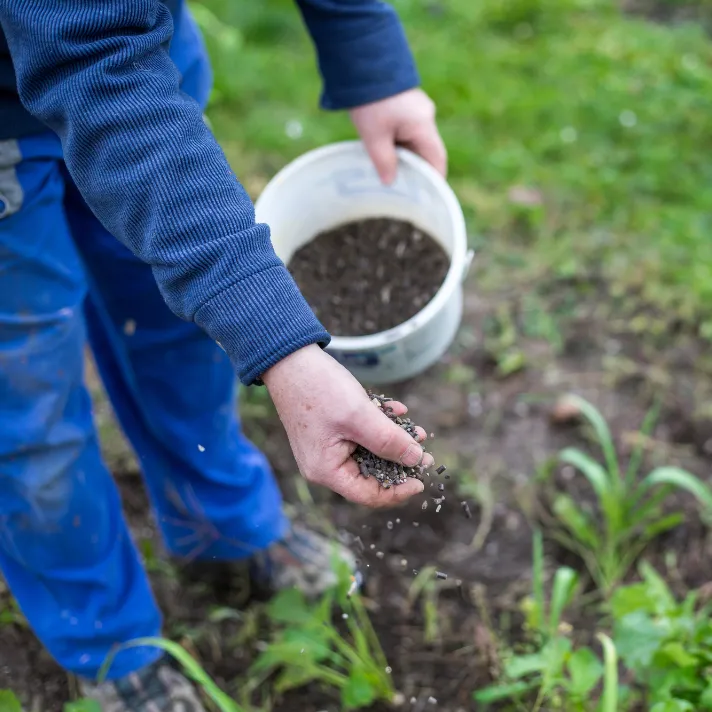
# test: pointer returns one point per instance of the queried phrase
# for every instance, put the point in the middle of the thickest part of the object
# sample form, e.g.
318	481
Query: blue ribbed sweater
99	74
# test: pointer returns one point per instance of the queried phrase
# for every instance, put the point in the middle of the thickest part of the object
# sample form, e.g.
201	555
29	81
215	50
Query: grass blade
365	622
538	578
591	469
662	525
646	429
609	696
191	666
9	702
641	509
496	693
610	499
682	479
603	434
80	706
576	521
565	581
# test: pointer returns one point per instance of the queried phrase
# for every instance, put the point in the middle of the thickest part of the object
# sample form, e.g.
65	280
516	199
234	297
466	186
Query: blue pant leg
173	390
65	550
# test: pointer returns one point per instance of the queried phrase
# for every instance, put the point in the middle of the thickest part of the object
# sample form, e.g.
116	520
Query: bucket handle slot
468	263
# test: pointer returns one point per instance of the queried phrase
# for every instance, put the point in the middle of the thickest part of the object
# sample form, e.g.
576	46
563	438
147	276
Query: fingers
377	433
429	145
382	151
420	434
397	407
367	491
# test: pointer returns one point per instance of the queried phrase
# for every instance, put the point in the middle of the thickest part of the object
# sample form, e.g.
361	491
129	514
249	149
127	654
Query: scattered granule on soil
368	276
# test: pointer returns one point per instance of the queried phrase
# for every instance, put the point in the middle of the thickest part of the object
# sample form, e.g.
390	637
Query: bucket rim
458	258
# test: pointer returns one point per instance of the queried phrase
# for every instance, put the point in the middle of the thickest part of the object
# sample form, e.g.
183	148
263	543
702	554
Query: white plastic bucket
337	184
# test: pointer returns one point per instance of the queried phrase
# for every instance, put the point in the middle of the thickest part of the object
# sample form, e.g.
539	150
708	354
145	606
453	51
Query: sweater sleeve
98	73
362	51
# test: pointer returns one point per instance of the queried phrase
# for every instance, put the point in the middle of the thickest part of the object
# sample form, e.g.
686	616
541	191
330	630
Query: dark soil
368	276
493	433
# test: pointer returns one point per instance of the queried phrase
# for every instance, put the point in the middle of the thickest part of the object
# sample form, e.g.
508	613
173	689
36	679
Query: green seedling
555	675
190	665
82	706
152	559
426	587
546	621
630	511
10	703
307	647
665	643
10	614
501	342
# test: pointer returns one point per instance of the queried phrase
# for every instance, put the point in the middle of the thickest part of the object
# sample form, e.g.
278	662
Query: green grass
604	115
553	673
630	510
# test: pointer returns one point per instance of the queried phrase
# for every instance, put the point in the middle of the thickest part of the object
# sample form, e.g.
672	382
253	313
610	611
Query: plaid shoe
155	688
301	559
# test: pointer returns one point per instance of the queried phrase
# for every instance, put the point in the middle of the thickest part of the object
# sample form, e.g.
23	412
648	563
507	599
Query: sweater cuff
261	320
367	68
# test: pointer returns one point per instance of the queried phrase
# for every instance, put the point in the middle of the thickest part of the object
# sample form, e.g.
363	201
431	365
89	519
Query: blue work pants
65	549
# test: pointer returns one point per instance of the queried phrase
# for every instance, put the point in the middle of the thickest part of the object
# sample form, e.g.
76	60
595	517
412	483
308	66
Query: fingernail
413	455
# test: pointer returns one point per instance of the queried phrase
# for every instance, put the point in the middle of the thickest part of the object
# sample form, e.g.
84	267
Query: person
121	223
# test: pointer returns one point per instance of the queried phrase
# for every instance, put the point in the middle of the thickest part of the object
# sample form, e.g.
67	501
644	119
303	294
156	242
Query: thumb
377	433
382	150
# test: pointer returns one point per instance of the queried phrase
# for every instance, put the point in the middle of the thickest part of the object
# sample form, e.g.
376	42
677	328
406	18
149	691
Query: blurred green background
578	130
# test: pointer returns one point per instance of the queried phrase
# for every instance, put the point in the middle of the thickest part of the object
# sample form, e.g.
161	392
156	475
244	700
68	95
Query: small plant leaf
646	429
224	613
82	706
663	525
292	677
523	665
563	590
649	509
190	666
706	697
576	521
289	606
9	702
313	641
592	470
677	654
537	612
609	696
682	479
495	693
637	639
297	648
629	599
555	653
603	434
359	690
658	590
673	706
585	670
